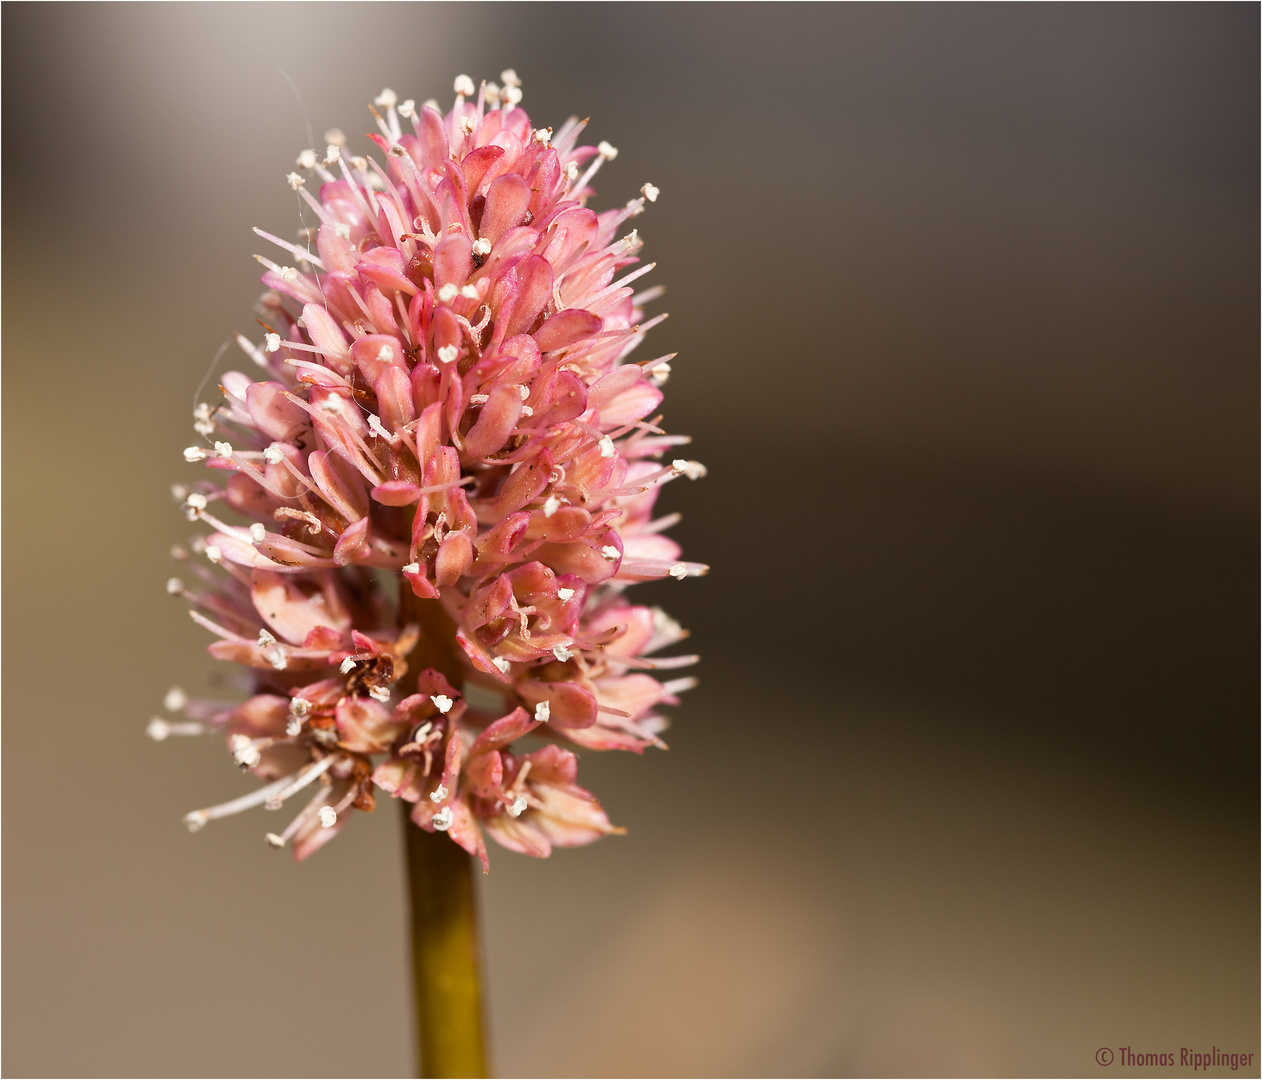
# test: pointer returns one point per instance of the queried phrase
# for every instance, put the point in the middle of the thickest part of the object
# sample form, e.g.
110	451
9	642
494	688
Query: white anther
300	708
464	86
279	659
442	703
442	820
158	729
213	552
502	663
431	103
543	135
526	410
196	500
509	77
610	552
565	595
448	353
332	154
179	492
273	840
258	532
306	160
512	95
467	124
606	447
439	793
288	273
679	571
448	293
551	506
412	568
201	411
561	653
660	373
223	449
469	292
543	711
694	470
479	399
328	817
606	151
333	404
274	455
244	752
650	192
387	98
379	693
195	453
266	637
175	700
571	171
481	246
342	230
195	820
335	137
374	422
407	108
347	665
174	586
204	428
519	805
296	180
271	342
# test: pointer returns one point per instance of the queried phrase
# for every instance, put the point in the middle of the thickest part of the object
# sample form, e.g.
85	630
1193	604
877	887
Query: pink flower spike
427	502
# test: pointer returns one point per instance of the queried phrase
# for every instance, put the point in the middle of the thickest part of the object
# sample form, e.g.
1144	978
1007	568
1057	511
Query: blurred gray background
966	302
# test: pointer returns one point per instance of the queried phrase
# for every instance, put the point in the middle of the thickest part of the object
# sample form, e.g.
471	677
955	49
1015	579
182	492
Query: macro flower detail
426	508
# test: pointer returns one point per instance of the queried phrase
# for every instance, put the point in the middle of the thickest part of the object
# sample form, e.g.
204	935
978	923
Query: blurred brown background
966	301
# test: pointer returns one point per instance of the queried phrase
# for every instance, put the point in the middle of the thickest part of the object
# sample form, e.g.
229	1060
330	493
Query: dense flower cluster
448	473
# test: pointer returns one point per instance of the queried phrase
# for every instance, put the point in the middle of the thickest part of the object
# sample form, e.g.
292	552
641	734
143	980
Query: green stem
445	952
